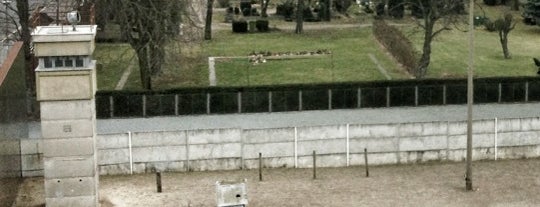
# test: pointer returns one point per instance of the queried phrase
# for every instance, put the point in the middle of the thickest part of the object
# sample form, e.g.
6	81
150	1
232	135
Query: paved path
379	66
310	118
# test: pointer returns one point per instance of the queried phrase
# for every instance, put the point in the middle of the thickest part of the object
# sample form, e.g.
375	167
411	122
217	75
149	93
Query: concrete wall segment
149	139
321	132
67	128
61	110
69	167
213	136
159	154
70	187
277	135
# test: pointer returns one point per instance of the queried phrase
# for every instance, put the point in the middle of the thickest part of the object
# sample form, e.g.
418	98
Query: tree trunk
208	26
423	64
264	8
515	5
144	68
300	17
504	43
24	16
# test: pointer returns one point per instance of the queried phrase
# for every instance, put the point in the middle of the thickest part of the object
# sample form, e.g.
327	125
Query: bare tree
17	28
436	17
148	26
504	26
515	5
208	26
264	8
300	17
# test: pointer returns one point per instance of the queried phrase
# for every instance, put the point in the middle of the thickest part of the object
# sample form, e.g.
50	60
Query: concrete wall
338	145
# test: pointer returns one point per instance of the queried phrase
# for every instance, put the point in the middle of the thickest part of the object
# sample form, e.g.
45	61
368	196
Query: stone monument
65	88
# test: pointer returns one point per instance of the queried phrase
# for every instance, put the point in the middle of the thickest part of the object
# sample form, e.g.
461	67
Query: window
48	62
79	62
58	62
68	62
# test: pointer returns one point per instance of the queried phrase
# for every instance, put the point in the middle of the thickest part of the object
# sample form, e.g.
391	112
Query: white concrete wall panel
152	139
268	135
112	141
215	151
286	149
213	136
321	132
159	154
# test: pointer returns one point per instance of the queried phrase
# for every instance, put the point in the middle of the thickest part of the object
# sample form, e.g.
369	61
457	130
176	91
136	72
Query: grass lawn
114	60
450	50
349	60
186	65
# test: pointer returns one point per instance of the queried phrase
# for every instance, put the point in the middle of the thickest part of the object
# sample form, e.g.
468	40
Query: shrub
396	8
262	25
490	2
490	25
240	26
286	9
224	3
397	44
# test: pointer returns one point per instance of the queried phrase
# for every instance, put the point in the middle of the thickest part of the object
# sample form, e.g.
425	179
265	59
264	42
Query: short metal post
314	165
260	167
158	182
367	165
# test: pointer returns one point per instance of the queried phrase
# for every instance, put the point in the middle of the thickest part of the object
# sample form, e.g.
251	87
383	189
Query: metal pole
468	173
366	162
57	12
260	167
314	165
158	182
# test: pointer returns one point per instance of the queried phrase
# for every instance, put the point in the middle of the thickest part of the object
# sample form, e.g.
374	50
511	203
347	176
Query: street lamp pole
470	96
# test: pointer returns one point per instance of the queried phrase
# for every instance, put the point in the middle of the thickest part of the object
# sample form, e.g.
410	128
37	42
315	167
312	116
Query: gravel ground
496	183
314	118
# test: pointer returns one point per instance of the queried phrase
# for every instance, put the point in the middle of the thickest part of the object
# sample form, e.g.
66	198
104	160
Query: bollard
365	158
158	181
314	165
260	167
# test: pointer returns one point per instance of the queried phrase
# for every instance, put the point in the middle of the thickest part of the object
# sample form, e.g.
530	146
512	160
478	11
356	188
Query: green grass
186	64
450	51
114	60
349	60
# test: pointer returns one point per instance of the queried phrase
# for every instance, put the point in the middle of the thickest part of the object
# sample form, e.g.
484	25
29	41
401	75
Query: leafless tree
504	26
208	26
437	16
264	8
148	26
300	17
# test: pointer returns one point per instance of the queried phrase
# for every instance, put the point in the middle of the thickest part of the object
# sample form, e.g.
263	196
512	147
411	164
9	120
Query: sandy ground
496	183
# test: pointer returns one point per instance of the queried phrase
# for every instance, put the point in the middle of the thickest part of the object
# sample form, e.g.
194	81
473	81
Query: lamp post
470	96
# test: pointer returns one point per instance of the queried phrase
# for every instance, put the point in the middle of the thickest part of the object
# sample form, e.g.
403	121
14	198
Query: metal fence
111	104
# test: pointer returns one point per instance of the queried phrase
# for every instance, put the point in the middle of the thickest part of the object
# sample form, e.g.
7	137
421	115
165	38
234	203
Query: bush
262	25
286	9
490	2
224	3
342	6
490	25
397	44
396	9
240	26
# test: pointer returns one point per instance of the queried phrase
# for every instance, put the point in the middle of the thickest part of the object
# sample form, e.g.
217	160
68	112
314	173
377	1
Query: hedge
397	44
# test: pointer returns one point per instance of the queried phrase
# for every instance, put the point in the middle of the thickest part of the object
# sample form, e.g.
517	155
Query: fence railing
215	100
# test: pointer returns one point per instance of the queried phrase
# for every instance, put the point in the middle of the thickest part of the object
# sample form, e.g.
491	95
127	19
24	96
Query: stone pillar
66	85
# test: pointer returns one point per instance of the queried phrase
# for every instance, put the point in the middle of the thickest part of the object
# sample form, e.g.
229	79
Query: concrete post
66	86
